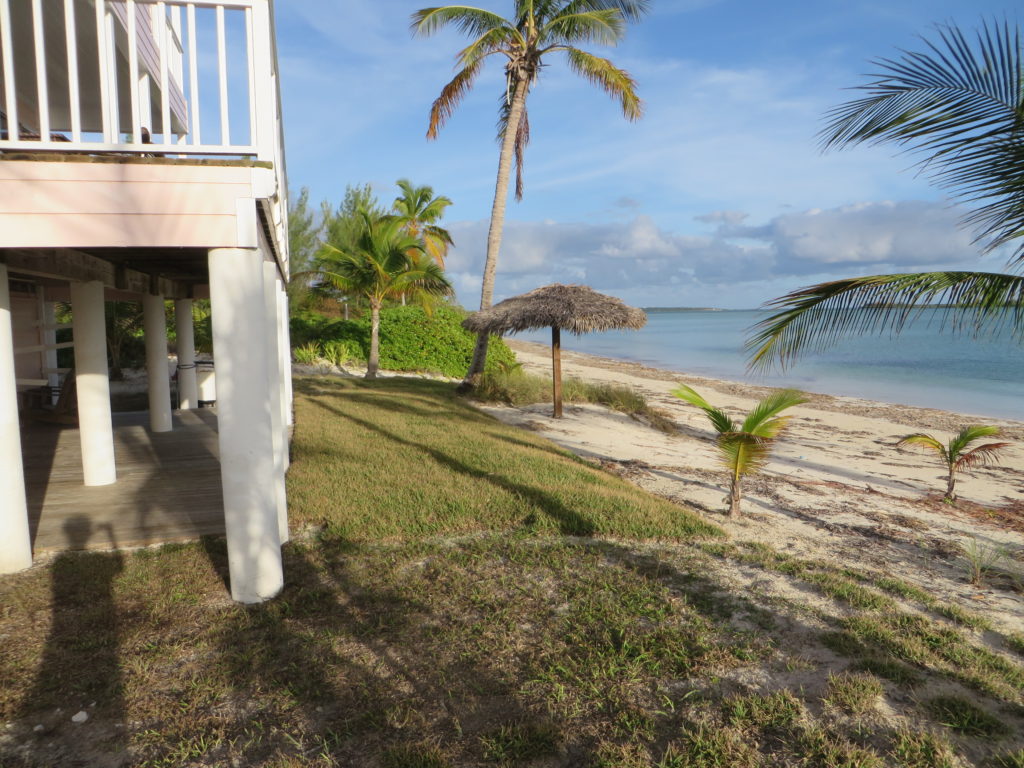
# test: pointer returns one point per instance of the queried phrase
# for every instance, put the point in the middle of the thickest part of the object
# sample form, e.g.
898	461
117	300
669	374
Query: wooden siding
97	205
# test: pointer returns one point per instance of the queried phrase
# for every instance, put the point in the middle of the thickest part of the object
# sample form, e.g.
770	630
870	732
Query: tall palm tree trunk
374	362
476	367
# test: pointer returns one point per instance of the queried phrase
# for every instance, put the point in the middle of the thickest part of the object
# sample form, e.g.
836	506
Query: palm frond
604	27
814	318
631	10
744	453
451	95
500	40
764	420
968	435
959	105
927	441
617	83
981	456
465	18
719	419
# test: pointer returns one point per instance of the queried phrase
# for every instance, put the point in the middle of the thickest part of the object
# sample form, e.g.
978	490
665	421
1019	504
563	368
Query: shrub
339	352
307	354
410	339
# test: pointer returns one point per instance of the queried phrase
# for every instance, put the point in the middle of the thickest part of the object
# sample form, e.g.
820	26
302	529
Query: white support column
244	423
188	390
15	540
154	320
92	381
274	377
285	345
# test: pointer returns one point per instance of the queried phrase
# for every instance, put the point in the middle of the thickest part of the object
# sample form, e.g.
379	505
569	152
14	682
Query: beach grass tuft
518	388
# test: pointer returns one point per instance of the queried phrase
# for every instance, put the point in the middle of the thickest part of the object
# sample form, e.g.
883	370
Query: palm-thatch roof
574	308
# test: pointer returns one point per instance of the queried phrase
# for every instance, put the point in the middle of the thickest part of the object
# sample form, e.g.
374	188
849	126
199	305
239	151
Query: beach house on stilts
141	159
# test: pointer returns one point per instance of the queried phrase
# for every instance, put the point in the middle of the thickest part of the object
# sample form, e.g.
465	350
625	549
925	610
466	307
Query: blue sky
718	196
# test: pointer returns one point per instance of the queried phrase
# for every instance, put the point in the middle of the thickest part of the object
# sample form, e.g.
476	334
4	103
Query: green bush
307	354
410	339
342	351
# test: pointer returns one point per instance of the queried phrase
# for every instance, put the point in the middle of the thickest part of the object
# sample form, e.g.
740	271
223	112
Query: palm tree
955	455
962	108
538	28
378	266
419	211
745	447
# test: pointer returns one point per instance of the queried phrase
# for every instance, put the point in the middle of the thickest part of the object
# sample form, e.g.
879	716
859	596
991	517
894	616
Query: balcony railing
155	77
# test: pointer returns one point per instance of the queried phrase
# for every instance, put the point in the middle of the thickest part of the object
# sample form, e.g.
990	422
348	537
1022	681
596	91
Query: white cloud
737	265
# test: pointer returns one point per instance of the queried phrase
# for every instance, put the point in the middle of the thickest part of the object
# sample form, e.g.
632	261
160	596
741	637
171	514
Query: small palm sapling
745	447
955	454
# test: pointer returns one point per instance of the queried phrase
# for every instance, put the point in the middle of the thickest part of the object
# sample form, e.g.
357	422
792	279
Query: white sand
836	488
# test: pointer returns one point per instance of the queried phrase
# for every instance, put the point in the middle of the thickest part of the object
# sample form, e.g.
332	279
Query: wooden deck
168	485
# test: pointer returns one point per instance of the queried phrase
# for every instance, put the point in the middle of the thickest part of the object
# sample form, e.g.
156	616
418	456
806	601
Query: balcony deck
168	484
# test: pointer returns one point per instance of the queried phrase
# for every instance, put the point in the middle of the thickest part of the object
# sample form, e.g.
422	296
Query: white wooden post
244	424
264	89
15	540
285	346
188	390
274	376
155	327
92	381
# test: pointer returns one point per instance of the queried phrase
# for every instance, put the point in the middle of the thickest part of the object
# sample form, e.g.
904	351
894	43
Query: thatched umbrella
576	308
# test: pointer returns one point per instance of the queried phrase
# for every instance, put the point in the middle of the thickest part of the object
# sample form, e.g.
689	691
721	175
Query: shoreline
919	417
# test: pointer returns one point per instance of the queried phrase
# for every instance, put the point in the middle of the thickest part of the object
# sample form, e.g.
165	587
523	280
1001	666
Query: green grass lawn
436	613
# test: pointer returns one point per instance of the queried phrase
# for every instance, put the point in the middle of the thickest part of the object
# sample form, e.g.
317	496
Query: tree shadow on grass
339	665
570	522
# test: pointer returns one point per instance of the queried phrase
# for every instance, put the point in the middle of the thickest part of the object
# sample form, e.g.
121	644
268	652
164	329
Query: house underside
96	206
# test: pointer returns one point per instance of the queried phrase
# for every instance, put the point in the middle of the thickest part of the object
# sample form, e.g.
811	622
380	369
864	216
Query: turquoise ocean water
922	366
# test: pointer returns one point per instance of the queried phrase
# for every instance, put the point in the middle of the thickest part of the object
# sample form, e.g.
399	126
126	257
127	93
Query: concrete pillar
188	390
274	380
285	344
15	540
92	381
245	428
154	318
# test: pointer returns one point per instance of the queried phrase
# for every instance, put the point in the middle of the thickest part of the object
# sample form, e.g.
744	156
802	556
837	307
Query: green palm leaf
960	105
719	419
968	435
465	18
763	421
928	442
604	27
616	82
814	318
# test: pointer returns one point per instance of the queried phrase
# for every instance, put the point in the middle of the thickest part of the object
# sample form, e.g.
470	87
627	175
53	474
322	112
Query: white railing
157	77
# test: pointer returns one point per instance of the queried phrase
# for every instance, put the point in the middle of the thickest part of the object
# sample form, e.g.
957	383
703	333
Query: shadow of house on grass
80	671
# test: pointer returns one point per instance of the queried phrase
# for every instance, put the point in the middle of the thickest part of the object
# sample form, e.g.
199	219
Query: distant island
662	310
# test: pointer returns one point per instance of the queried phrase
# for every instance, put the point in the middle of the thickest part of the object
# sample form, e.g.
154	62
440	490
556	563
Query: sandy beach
837	487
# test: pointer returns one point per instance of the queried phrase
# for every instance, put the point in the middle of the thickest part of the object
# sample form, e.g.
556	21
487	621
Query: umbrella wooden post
556	370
